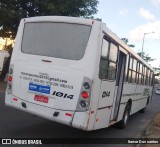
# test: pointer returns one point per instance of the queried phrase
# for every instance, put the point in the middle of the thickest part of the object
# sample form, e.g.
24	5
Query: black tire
123	123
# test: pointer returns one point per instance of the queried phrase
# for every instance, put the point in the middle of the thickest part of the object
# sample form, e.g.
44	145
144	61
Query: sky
131	19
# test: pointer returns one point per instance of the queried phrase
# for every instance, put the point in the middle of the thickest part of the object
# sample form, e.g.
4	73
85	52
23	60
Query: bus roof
77	20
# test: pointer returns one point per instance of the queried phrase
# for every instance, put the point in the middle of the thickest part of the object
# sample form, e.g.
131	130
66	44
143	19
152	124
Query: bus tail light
10	79
9	86
84	97
10	71
86	85
84	104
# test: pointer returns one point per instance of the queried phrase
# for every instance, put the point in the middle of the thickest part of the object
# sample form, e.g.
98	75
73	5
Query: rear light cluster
84	98
85	94
10	78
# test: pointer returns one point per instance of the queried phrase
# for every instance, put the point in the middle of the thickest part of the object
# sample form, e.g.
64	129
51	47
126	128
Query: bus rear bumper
60	116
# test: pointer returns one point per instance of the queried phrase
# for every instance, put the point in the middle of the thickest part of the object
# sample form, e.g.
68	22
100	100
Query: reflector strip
15	99
92	112
69	114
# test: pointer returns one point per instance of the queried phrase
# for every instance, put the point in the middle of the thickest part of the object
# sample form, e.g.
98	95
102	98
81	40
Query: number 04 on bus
76	72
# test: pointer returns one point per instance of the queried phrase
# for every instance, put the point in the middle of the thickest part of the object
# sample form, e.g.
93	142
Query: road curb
147	132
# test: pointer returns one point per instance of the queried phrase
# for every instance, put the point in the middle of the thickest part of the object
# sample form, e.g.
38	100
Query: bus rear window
59	40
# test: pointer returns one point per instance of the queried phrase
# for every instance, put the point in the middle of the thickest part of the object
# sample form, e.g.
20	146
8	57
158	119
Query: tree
126	42
145	57
11	11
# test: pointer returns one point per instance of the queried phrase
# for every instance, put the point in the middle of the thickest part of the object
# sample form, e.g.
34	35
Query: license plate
41	98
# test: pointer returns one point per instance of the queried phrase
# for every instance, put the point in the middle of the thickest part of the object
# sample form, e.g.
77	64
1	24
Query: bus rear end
47	75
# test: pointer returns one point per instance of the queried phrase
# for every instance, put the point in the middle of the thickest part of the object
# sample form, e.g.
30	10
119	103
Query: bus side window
151	79
147	77
144	73
130	70
104	62
112	62
108	61
105	47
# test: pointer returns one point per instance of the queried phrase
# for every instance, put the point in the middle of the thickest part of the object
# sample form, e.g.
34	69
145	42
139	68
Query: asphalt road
18	124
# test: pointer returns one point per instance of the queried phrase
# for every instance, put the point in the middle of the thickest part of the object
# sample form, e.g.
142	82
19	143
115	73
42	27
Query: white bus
76	72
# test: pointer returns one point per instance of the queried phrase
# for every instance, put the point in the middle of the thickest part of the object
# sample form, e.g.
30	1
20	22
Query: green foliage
92	17
126	42
8	48
12	11
145	57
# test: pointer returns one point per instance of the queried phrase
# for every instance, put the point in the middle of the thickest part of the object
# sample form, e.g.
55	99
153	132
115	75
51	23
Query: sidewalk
152	131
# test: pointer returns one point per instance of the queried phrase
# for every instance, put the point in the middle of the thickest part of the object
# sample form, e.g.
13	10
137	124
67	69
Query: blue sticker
39	88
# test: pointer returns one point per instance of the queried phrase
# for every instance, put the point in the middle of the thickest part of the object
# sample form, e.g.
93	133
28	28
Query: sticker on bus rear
39	88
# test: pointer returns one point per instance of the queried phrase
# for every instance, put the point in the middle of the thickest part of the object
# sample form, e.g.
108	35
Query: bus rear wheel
123	123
